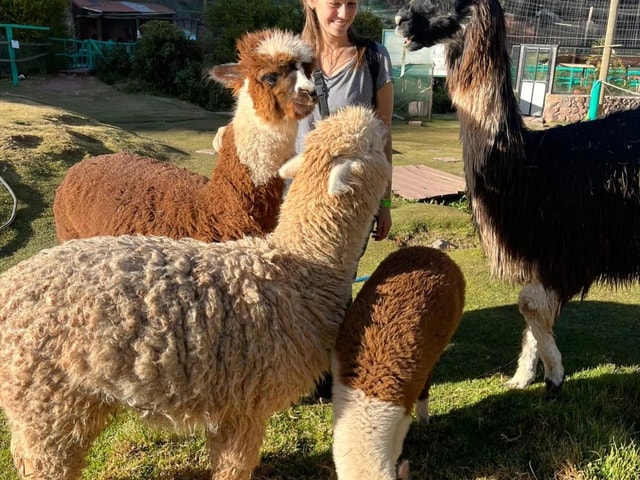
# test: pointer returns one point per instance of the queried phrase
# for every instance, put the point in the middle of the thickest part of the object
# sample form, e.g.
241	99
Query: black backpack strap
321	92
373	62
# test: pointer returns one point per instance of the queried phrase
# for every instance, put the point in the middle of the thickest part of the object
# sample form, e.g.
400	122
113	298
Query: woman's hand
383	224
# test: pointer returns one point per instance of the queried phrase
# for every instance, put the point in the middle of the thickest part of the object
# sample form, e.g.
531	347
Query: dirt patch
66	84
88	96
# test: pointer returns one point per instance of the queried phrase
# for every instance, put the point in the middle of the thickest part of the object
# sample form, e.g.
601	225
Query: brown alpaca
391	338
122	193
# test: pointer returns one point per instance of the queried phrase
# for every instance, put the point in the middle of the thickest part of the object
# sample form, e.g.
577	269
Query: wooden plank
419	182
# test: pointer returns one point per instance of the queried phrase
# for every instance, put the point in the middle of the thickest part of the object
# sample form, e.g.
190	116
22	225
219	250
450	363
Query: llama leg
540	307
234	448
422	404
52	443
527	362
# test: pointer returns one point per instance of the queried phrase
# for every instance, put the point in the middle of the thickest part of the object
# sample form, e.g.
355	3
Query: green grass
478	430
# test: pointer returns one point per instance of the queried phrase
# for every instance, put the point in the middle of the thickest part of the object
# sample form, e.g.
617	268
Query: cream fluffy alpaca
392	336
191	334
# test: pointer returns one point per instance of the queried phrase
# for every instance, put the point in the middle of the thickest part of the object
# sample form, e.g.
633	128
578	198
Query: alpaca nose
304	84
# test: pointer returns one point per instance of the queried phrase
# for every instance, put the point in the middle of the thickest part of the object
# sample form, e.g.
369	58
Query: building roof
123	7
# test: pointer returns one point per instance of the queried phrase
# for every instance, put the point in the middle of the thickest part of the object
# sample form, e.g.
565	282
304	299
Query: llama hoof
517	383
553	389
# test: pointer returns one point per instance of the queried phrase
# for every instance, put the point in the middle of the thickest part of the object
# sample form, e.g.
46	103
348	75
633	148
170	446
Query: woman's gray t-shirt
348	87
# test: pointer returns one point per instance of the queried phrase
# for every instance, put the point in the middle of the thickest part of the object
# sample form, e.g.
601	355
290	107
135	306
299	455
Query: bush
160	56
43	13
441	99
368	25
228	20
114	66
196	87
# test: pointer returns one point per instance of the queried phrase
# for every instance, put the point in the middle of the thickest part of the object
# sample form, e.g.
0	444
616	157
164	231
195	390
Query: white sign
15	44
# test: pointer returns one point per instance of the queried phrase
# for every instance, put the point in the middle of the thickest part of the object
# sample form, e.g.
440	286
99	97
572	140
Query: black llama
556	210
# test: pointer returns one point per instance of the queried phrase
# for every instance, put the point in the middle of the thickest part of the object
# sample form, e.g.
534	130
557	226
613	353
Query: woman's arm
384	111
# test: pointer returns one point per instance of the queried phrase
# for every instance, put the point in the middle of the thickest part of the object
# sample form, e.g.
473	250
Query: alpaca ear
228	74
342	175
291	167
403	470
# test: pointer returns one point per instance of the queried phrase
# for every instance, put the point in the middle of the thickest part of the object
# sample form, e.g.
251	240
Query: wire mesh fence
571	23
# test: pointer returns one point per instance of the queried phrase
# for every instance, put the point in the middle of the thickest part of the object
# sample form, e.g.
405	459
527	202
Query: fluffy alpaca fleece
387	346
193	334
557	209
122	193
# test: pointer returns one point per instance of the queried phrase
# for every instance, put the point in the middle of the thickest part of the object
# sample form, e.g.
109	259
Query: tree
42	13
161	54
228	20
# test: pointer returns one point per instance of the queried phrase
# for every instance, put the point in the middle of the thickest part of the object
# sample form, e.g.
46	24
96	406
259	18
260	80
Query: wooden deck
418	182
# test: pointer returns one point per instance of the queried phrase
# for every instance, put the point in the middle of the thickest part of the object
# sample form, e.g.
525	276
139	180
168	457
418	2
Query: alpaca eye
270	79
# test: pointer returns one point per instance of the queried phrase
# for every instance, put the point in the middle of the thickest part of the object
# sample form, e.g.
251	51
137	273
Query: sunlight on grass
478	428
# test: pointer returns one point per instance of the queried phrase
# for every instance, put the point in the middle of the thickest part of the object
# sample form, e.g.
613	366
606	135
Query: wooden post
606	49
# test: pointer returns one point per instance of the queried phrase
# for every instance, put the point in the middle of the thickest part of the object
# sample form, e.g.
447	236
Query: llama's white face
424	23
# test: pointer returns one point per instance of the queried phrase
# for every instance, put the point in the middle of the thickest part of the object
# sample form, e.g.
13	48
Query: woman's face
335	16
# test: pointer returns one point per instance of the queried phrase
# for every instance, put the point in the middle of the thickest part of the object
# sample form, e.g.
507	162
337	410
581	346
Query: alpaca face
424	23
274	69
349	146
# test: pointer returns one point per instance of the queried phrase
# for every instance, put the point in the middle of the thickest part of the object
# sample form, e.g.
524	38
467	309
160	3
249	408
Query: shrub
44	13
441	99
114	66
228	20
161	54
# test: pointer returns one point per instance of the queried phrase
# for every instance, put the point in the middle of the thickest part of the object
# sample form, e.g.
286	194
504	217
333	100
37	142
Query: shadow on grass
31	205
524	435
296	466
588	333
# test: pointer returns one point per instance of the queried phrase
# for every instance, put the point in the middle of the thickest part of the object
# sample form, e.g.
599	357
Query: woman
347	77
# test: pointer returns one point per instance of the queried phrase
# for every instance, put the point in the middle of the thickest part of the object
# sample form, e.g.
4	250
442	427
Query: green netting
413	87
413	77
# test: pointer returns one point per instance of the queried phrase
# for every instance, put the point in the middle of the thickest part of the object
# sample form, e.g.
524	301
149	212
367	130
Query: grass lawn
478	430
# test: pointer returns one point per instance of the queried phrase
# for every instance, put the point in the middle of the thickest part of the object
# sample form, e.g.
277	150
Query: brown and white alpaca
187	333
122	193
557	210
392	336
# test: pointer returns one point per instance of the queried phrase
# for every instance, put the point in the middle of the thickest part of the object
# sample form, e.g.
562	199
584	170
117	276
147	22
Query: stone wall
573	108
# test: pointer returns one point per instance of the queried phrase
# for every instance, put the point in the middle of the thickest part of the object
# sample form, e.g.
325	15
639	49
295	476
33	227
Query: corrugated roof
115	6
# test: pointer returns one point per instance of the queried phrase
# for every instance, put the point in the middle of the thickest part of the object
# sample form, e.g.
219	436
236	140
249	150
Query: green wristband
385	203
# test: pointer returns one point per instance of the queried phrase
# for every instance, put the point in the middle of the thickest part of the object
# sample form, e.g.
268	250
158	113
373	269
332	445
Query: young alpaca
123	193
557	210
391	338
187	333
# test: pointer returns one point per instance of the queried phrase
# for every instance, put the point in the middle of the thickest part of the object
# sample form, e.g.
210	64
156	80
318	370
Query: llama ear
228	74
342	175
290	169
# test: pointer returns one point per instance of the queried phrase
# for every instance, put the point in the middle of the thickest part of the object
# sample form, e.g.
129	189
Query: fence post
594	101
12	55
